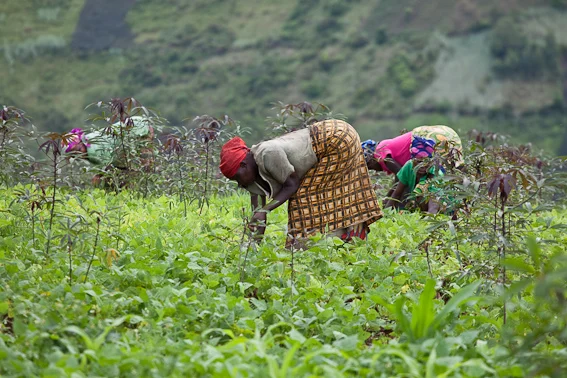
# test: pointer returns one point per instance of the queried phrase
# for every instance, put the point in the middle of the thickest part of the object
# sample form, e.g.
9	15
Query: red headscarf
232	154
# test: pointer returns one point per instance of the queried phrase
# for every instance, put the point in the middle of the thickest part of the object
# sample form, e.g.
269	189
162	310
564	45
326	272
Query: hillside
385	65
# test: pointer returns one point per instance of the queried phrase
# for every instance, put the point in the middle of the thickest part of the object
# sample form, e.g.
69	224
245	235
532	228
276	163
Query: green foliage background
385	65
158	276
175	301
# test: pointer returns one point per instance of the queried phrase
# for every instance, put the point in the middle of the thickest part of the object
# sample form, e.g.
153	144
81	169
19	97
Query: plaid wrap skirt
336	193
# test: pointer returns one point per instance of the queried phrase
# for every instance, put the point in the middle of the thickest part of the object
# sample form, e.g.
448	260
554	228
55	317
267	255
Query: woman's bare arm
396	196
260	217
392	165
289	187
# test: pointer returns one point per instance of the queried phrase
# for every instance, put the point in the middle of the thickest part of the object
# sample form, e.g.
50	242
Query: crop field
156	275
143	290
126	252
168	295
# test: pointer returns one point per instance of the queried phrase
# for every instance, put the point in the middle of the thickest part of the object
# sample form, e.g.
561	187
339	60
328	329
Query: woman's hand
396	197
257	223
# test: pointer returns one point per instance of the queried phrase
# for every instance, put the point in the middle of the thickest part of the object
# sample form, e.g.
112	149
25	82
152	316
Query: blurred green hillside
386	65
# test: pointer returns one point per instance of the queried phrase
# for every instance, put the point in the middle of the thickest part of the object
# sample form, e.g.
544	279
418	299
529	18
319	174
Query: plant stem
242	238
292	271
243	266
123	146
503	219
33	225
52	213
4	133
94	248
458	254
428	260
181	186
206	177
69	250
244	227
119	220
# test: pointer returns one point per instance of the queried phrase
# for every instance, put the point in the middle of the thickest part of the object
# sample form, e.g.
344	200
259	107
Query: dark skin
80	150
390	163
246	175
395	199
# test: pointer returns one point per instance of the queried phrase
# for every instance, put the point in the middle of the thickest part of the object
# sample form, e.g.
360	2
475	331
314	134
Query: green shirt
104	148
407	176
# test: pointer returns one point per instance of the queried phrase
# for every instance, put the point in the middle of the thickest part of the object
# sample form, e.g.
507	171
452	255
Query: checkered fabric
337	191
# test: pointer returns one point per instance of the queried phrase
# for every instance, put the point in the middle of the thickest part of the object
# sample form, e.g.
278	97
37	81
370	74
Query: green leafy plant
516	53
98	216
146	280
14	160
290	117
129	150
425	320
33	199
52	149
191	156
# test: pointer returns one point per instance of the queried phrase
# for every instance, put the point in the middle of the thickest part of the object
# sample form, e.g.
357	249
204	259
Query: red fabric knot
232	154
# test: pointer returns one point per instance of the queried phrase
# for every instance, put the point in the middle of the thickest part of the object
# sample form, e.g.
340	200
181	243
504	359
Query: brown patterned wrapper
337	191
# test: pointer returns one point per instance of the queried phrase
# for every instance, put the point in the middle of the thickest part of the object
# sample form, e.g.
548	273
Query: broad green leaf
4	306
273	366
347	343
226	332
243	286
518	265
518	287
410	362
79	332
403	322
430	365
534	250
296	336
423	312
464	295
473	363
288	360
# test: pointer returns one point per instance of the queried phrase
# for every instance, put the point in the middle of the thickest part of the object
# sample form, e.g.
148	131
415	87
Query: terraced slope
385	65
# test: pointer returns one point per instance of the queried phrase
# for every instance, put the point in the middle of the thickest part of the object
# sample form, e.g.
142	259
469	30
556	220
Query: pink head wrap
74	137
